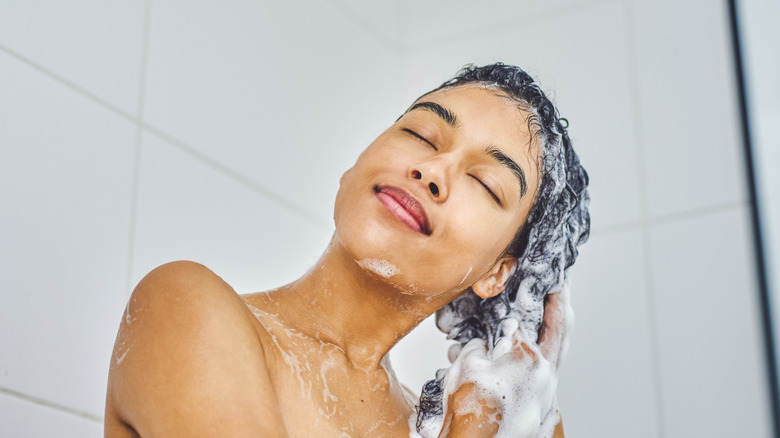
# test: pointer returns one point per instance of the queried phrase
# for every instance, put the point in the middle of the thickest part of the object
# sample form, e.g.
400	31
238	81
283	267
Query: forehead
482	105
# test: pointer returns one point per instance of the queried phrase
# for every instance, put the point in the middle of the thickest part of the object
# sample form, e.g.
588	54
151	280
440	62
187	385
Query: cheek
477	247
487	233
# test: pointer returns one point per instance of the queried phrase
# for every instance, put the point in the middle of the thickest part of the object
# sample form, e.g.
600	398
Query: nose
433	176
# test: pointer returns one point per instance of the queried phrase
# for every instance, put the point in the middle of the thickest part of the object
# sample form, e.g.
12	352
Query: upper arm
188	360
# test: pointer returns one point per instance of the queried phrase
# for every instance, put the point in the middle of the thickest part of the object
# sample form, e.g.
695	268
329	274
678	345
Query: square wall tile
189	211
285	93
758	43
23	419
94	44
430	22
383	20
417	357
587	76
712	363
765	138
688	109
66	172
607	382
770	224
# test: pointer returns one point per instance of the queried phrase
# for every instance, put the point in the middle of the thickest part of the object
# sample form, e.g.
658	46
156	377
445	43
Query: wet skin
436	200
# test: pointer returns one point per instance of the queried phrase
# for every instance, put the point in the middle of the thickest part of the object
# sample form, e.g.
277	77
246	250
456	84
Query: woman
435	206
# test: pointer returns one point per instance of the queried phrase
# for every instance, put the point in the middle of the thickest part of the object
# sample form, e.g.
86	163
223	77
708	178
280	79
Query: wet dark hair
545	246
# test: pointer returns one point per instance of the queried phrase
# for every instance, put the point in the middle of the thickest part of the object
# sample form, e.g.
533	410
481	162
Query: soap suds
382	268
465	276
300	366
374	429
123	335
512	378
329	400
121	358
487	329
128	316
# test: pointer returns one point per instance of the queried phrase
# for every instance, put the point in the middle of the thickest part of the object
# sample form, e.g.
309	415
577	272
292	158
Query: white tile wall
188	210
382	21
758	38
94	44
22	419
582	57
765	154
692	154
602	105
417	357
285	93
440	21
710	349
607	386
246	98
66	167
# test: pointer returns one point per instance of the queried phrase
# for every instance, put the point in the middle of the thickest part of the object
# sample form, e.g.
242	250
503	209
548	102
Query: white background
137	132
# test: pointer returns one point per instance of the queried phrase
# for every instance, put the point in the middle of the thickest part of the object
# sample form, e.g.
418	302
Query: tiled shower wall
140	132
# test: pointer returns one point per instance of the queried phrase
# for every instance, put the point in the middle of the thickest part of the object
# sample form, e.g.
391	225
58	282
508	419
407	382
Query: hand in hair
479	407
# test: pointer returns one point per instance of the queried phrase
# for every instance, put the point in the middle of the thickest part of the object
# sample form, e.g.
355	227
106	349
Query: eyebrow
449	117
439	110
511	165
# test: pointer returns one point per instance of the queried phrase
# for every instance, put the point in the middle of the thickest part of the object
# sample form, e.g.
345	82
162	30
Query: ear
495	281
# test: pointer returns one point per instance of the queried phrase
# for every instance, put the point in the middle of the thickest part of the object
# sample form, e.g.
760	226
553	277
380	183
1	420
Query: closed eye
420	137
490	192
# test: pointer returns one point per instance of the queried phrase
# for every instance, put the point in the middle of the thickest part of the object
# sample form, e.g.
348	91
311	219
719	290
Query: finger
552	331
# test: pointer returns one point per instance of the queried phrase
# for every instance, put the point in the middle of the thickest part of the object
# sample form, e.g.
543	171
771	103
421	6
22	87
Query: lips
404	207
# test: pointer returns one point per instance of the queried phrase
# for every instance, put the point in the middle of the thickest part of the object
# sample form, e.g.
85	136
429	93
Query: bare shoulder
182	290
188	361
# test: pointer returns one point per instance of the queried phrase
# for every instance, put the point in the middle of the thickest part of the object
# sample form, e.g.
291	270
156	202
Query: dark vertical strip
763	283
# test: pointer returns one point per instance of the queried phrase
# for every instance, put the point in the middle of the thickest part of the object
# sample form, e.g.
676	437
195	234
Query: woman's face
432	203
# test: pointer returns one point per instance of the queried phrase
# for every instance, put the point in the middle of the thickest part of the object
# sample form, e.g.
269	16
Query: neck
339	302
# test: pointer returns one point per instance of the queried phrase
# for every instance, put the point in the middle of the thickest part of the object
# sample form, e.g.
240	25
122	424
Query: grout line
251	184
652	313
138	137
693	214
667	218
402	23
51	405
256	187
67	83
370	29
502	25
617	228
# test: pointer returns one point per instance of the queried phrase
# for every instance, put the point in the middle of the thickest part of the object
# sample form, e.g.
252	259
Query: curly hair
545	246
